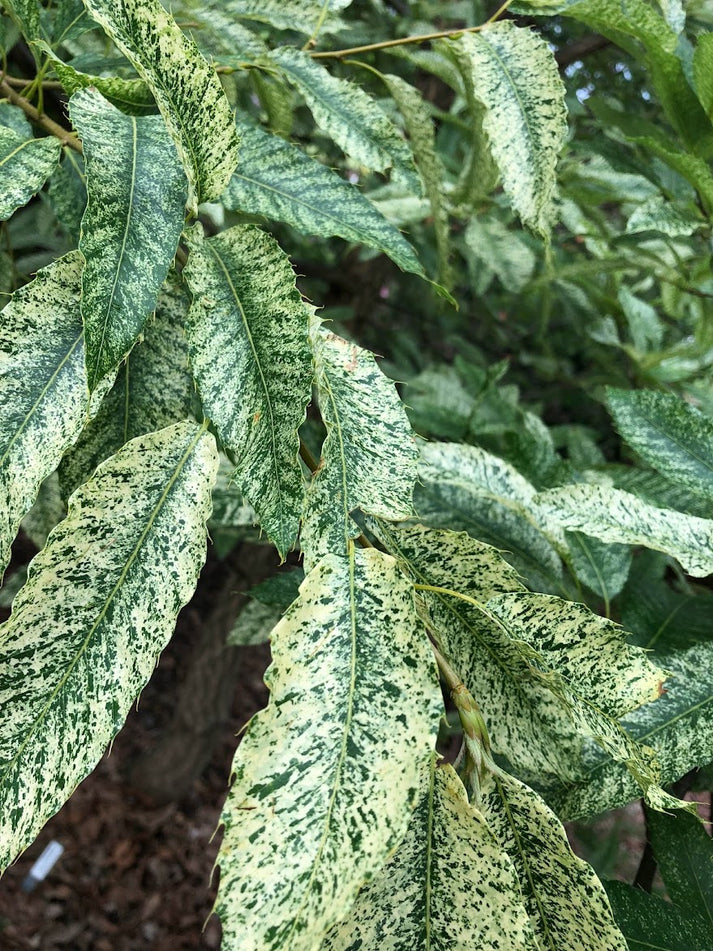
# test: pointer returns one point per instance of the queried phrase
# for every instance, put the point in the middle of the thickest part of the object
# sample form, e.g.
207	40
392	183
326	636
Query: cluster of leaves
157	374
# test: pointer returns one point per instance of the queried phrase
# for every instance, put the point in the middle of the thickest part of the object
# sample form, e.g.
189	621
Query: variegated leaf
278	180
616	516
186	89
516	78
369	454
43	387
349	115
99	605
249	344
132	96
603	568
327	776
566	902
153	388
25	165
218	32
464	487
26	14
302	16
449	885
134	217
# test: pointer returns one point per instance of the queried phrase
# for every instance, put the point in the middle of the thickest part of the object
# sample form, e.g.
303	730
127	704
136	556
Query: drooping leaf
99	605
449	885
567	904
43	387
324	782
702	65
153	389
369	454
668	433
249	344
517	80
131	96
25	165
616	516
349	115
650	924
278	180
130	230
186	89
465	488
684	855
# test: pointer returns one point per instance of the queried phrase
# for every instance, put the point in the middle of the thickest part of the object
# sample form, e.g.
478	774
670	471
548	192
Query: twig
49	125
407	40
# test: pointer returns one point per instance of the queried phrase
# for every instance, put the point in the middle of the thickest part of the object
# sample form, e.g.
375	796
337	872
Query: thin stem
49	125
407	40
18	83
312	41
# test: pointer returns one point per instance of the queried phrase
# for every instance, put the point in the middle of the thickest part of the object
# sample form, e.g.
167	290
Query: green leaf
325	783
276	179
131	226
567	904
98	607
132	96
668	433
603	568
187	90
68	194
43	387
349	115
25	165
26	14
449	885
369	454
466	488
153	388
214	26
501	251
422	135
650	924
684	855
248	338
702	75
253	625
302	16
516	78
616	516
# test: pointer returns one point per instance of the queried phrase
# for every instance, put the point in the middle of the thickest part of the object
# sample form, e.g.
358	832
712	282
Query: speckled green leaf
450	885
327	776
349	115
130	230
566	902
419	126
249	344
616	516
299	15
668	433
26	14
369	454
99	605
464	487
603	568
153	388
702	71
132	96
219	35
25	165
43	387
187	90
516	78
278	180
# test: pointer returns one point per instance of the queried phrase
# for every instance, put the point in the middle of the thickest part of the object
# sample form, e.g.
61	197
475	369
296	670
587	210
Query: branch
49	125
405	40
580	48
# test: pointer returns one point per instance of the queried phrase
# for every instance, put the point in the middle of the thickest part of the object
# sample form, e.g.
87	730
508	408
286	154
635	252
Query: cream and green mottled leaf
369	454
26	14
187	90
99	605
327	776
43	387
25	165
136	196
566	902
132	96
613	515
153	388
349	115
302	16
219	35
602	568
516	78
278	180
449	885
668	433
249	344
421	132
464	487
